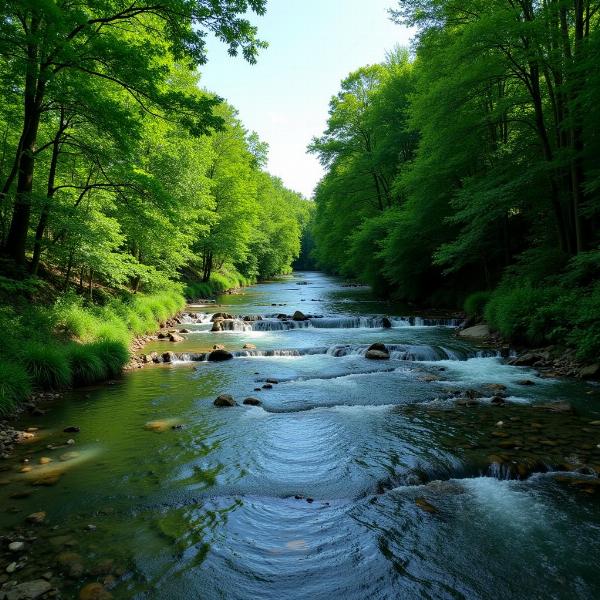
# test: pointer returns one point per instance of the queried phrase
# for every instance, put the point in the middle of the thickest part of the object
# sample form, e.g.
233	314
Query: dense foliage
474	167
120	175
116	167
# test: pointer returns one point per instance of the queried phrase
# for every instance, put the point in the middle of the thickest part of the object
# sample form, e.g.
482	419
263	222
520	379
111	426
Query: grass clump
113	355
86	365
15	386
47	365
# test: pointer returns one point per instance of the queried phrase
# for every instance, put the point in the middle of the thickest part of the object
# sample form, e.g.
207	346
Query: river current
352	480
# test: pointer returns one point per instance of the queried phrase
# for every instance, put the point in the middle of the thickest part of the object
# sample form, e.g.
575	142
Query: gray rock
174	337
299	316
477	331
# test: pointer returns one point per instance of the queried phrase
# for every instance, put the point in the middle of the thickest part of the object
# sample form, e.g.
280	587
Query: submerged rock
29	590
94	591
173	337
224	401
377	351
36	517
252	401
249	347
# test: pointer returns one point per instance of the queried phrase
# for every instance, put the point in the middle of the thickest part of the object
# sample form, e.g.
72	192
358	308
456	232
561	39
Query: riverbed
437	473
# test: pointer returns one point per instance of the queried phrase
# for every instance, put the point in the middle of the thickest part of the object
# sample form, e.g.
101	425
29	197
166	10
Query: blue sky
313	45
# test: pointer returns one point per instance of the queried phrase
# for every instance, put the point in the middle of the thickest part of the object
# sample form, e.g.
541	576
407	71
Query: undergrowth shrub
15	386
47	365
475	303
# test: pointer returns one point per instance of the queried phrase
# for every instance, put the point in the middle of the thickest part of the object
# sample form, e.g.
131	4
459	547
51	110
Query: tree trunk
33	96
41	228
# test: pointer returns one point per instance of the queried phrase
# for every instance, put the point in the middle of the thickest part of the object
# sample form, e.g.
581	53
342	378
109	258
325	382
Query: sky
313	45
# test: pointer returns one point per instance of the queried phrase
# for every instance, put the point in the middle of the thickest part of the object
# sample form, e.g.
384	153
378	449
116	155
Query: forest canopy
116	167
470	166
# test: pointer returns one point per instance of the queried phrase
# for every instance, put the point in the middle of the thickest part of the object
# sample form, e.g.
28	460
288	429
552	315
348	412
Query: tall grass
218	283
15	385
74	344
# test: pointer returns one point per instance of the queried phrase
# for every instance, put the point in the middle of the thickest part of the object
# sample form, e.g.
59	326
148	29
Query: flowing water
355	478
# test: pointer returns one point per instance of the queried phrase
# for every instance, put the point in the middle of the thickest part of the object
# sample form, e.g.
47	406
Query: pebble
12	567
16	546
70	442
36	517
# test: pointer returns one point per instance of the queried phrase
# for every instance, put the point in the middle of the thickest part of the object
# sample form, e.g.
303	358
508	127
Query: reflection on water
353	479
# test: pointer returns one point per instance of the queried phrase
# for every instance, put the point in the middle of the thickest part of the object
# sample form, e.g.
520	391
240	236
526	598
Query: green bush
15	386
585	335
475	303
510	310
114	356
86	364
47	364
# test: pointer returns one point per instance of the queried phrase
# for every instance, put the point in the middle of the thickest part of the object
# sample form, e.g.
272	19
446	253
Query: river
355	478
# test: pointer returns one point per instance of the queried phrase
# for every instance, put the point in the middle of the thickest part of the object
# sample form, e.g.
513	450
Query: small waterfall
273	323
236	325
406	352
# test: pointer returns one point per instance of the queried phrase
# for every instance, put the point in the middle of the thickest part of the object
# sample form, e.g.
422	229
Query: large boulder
217	326
219	355
224	401
299	316
476	332
386	323
174	337
221	315
377	351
